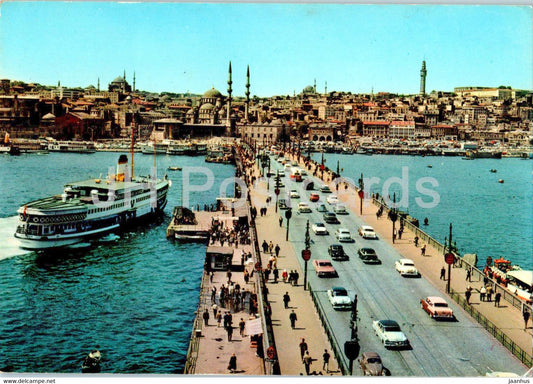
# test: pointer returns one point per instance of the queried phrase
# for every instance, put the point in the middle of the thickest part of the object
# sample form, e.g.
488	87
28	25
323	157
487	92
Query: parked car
437	308
294	194
322	208
340	209
330	218
332	200
367	232
324	268
371	364
282	204
368	255
281	173
314	197
304	208
336	252
319	229
324	189
294	163
343	235
390	334
339	299
406	267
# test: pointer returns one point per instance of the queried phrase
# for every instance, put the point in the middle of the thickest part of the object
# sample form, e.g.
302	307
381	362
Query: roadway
439	348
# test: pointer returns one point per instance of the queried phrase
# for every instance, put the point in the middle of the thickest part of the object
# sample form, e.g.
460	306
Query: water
488	218
134	295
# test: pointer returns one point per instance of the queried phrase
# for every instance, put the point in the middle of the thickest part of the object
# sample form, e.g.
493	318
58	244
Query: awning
254	327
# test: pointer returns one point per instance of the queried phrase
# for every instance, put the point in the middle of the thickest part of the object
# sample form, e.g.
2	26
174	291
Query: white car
367	232
339	299
294	194
304	208
325	189
340	209
390	334
319	229
343	235
406	267
332	200
281	173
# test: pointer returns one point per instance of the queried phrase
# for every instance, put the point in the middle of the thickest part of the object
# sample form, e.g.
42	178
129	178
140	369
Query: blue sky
187	47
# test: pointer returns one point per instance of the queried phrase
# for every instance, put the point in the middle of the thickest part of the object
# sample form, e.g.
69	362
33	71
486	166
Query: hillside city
498	116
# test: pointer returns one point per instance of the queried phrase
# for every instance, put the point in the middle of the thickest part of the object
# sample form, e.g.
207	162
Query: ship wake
10	245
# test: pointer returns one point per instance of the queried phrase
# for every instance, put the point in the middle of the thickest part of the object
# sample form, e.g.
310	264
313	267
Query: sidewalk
506	317
308	325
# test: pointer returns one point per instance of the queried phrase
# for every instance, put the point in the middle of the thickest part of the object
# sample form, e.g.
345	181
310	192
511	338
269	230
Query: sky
186	47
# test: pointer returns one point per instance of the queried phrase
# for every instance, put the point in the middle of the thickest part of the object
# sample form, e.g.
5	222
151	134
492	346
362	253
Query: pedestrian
270	247
497	298
489	293
468	293
526	315
242	324
400	231
246	276
215	310
325	357
219	319
284	275
415	240
229	330
232	366
442	274
482	293
213	294
228	275
277	249
206	317
303	347
265	245
276	275
280	221
286	299
394	235
211	275
296	276
307	360
293	318
267	274
468	273
423	250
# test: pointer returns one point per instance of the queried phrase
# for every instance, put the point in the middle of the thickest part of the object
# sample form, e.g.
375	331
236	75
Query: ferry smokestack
122	167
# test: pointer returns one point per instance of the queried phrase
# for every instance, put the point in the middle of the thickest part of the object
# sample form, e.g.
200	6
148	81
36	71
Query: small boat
500	181
494	170
430	166
174	168
91	363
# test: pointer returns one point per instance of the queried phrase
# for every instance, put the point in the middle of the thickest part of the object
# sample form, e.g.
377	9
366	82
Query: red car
436	307
324	268
314	197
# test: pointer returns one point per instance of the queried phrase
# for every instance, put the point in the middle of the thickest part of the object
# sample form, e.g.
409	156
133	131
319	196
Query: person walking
489	293
242	325
468	274
442	274
280	221
206	317
468	293
303	348
219	318
232	366
482	293
277	249
423	250
526	316
284	275
270	247
293	318
286	299
265	245
497	298
415	240
276	274
215	310
229	330
307	360
325	357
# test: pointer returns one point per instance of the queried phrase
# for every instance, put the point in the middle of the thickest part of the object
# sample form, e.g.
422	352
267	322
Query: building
402	129
485	92
377	129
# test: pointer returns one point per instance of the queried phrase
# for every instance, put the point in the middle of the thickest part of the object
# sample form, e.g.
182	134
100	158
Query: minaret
133	81
247	93
98	85
423	74
314	87
326	88
228	114
124	83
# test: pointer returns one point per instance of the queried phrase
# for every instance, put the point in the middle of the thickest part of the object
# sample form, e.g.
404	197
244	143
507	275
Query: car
339	299
390	334
281	173
340	209
294	163
332	199
336	252
319	229
343	235
437	308
406	267
368	255
281	159
304	208
294	194
324	268
330	218
314	197
303	172
367	232
282	204
287	166
324	189
322	208
371	364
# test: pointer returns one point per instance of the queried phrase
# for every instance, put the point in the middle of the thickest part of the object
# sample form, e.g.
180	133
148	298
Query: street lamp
306	253
449	258
338	176
361	194
276	190
268	173
393	215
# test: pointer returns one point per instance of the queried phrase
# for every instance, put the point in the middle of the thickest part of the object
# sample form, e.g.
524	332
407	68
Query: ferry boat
71	146
160	148
89	209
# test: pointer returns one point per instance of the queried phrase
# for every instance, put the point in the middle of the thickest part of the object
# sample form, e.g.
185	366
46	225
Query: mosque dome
212	93
208	106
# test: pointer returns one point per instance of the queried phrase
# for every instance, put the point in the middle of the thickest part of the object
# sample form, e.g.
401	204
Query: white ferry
89	208
71	146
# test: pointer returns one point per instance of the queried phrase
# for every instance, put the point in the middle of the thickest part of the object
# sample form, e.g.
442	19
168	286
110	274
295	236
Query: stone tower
423	74
247	93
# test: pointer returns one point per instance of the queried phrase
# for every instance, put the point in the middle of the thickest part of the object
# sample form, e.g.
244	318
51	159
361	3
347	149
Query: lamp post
288	215
449	258
361	194
337	175
393	215
306	253
276	190
268	173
